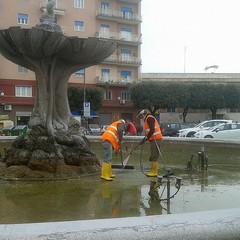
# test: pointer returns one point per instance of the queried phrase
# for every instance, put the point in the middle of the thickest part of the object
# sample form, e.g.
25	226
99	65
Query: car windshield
215	127
198	125
94	126
20	127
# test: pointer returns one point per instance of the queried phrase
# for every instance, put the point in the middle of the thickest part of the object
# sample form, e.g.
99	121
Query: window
126	33
22	18
104	7
79	3
125	54
80	73
23	91
126	76
105	75
108	95
22	69
171	110
79	26
125	95
127	12
104	29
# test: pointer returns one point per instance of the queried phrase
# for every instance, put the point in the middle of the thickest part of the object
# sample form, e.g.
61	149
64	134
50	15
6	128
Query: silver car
94	129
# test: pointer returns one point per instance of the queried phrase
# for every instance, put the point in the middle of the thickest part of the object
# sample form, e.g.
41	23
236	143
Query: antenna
185	49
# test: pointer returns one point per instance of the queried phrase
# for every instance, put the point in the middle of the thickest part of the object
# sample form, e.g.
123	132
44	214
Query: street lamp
84	86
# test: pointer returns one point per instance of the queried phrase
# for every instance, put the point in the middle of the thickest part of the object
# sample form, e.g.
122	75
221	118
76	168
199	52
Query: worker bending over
111	139
154	136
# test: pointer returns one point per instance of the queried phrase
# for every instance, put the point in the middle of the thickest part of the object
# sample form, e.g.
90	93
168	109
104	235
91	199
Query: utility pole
185	49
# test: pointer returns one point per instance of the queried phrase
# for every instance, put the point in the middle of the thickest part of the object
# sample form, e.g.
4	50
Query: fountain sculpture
54	147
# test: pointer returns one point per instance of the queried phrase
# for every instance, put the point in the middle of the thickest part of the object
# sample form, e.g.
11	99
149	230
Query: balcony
123	60
116	81
59	9
130	1
118	16
116	103
120	38
13	100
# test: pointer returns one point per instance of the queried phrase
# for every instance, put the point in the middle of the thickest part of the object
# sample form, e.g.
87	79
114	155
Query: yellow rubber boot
154	170
110	172
105	171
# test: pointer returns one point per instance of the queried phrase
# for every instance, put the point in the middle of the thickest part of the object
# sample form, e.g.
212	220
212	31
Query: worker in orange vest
111	139
154	136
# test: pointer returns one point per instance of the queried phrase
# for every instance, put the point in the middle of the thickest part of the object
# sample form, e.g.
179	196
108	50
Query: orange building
117	20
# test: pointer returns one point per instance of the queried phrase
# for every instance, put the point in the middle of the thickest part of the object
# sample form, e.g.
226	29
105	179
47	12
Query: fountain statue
54	147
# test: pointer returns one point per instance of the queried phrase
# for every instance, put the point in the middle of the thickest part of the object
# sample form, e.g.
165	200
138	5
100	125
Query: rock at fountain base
47	158
62	171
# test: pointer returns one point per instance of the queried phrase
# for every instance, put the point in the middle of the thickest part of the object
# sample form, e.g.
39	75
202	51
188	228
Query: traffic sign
86	109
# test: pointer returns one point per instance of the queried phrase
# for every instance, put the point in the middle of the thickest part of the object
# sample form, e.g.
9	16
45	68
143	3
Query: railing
120	81
123	59
119	14
130	1
119	36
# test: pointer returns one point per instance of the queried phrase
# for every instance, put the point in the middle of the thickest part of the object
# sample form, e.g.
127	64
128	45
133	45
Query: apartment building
117	20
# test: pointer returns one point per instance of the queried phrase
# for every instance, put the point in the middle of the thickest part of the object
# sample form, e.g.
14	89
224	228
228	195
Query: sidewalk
214	225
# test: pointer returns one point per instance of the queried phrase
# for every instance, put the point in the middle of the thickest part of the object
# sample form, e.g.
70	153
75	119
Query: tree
183	96
232	96
214	97
148	95
93	95
155	95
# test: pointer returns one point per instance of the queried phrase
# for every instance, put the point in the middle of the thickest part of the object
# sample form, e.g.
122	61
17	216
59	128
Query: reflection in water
203	180
91	198
153	208
104	202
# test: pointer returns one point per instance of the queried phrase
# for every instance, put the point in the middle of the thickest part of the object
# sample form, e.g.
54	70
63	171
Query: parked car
205	125
5	123
103	128
94	129
8	130
15	131
171	129
224	131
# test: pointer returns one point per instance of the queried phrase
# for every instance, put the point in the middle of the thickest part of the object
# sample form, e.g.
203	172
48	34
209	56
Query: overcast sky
188	35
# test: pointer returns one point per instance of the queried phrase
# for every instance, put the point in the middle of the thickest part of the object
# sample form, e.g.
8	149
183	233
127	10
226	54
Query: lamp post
84	87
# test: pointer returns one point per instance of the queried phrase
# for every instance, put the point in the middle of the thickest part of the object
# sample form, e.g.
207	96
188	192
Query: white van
6	123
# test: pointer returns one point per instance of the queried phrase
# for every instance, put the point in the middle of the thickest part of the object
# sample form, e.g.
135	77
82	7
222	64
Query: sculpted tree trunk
53	57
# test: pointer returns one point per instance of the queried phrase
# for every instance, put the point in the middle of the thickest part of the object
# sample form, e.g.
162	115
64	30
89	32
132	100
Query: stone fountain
54	147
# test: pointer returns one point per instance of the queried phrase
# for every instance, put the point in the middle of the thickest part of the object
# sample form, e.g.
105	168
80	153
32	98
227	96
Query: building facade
116	20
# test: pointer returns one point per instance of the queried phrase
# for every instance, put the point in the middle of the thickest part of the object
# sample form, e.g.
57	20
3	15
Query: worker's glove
143	140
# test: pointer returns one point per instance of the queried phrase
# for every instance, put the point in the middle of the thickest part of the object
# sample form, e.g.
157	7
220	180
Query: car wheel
190	134
208	136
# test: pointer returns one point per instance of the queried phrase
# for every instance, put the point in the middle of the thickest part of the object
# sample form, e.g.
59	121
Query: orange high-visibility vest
157	131
111	134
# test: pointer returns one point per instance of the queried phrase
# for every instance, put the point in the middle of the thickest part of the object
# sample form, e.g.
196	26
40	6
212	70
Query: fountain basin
87	197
